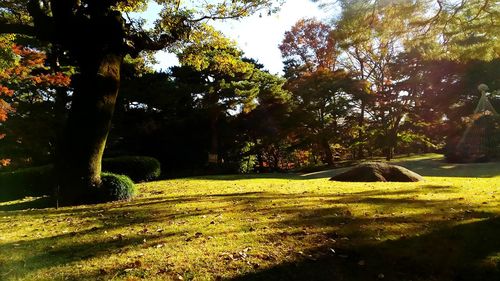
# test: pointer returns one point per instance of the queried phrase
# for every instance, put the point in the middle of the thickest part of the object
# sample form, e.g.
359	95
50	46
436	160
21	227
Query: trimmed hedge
114	187
39	181
138	168
36	181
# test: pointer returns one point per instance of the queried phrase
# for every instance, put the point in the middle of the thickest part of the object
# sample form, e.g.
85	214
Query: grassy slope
273	227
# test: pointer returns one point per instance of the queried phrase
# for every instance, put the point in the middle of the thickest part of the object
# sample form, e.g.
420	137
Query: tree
457	30
460	30
7	60
307	47
219	78
30	85
264	132
322	101
320	89
374	35
157	116
97	35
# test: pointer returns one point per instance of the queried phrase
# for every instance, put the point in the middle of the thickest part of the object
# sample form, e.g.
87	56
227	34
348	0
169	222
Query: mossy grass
268	227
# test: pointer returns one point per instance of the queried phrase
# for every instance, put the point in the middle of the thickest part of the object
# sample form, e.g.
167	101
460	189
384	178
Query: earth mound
372	172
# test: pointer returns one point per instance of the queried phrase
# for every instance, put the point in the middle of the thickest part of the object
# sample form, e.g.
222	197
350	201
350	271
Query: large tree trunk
392	140
89	121
361	122
328	151
214	160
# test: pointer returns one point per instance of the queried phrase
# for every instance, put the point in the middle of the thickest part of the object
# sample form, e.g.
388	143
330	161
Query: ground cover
268	227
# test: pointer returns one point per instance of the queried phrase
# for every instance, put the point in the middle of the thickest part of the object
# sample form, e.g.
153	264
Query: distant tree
323	101
265	131
372	36
321	90
307	47
157	116
220	79
375	35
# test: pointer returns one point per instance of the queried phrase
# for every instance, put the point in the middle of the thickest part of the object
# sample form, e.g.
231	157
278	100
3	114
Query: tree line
378	79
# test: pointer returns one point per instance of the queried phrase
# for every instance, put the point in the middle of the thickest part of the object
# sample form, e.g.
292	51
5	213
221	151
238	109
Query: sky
258	37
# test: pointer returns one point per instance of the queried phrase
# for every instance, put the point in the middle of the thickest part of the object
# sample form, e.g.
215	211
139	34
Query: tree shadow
86	240
71	247
446	252
456	245
30	203
457	253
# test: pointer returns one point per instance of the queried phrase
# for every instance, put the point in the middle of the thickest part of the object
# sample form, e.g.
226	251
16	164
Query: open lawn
269	227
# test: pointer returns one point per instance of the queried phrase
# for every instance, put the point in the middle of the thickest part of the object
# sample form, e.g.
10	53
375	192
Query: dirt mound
371	172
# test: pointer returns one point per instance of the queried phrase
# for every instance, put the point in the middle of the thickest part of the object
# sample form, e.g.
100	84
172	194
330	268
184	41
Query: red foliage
29	70
4	162
311	44
31	60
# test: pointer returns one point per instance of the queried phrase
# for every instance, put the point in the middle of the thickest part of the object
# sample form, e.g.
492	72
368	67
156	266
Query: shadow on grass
37	203
95	236
446	252
458	253
55	253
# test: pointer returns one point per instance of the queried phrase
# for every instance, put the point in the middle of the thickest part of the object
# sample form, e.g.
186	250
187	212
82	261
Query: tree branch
143	42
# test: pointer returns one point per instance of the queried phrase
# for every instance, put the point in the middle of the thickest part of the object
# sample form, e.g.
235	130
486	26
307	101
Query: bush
114	187
138	168
36	181
39	181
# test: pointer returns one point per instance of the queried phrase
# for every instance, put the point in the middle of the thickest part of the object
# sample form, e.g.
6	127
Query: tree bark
361	122
392	139
328	152
214	137
86	131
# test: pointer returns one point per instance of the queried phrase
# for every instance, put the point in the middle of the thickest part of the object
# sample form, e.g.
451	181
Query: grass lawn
269	227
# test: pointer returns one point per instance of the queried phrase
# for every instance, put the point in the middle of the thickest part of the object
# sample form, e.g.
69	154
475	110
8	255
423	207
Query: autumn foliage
25	70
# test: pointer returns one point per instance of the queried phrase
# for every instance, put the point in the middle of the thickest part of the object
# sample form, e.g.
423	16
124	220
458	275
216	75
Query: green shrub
115	187
36	181
138	168
39	181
